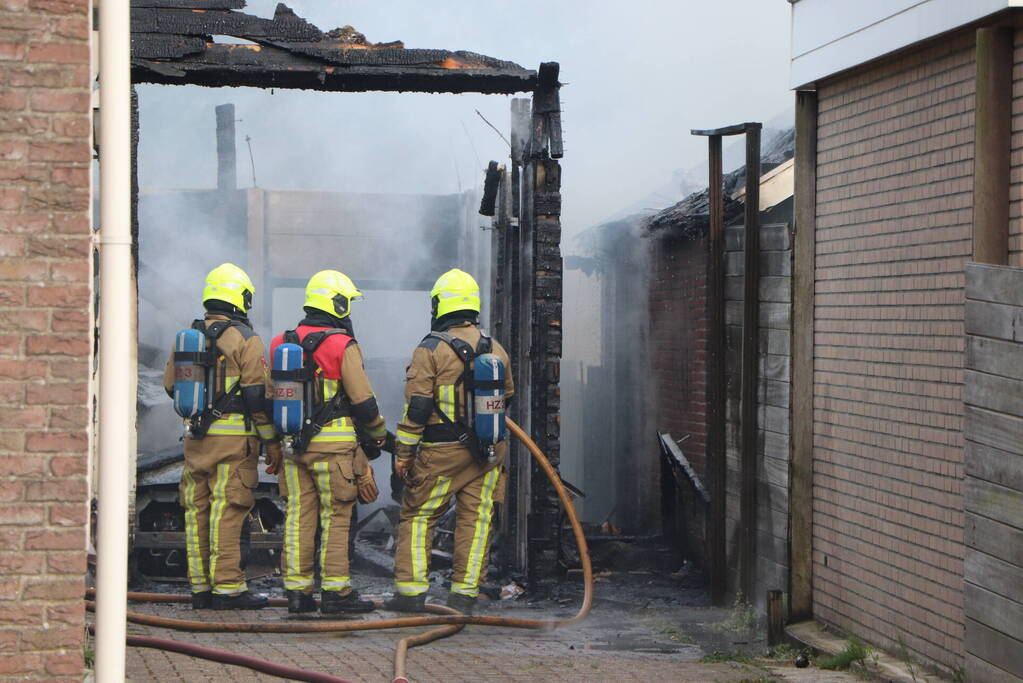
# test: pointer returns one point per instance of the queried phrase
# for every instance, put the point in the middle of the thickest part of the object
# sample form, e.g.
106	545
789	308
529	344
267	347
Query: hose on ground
452	621
223	656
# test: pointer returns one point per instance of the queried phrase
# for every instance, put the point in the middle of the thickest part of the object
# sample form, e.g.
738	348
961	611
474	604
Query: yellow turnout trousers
442	472
320	489
216	490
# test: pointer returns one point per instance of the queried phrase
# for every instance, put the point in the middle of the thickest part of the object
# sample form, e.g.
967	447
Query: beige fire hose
452	622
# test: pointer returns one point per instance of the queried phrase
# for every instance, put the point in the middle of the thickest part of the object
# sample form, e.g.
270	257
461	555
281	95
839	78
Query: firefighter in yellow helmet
223	444
432	457
326	470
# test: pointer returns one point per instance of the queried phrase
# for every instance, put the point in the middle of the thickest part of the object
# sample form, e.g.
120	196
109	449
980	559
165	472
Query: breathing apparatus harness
459	429
220	402
317	413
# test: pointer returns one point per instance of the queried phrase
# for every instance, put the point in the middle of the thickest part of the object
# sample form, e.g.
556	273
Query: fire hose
451	621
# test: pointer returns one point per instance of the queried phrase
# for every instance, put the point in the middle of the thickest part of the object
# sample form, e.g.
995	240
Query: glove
274	456
403	466
367	487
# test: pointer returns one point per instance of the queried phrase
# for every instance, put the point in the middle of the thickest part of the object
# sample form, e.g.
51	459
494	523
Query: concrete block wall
894	198
45	281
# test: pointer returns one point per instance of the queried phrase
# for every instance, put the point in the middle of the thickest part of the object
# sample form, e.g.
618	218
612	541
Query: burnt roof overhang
173	44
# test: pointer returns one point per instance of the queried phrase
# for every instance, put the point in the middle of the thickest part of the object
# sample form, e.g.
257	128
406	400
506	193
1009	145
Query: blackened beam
285	25
737	129
273	66
189	4
334	79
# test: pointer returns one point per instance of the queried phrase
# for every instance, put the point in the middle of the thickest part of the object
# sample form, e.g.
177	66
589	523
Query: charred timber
285	25
189	4
356	79
174	45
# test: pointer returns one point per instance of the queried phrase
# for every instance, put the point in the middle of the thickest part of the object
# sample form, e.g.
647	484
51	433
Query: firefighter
222	451
432	459
329	471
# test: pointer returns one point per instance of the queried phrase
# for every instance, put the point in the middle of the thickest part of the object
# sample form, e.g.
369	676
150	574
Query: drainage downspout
117	338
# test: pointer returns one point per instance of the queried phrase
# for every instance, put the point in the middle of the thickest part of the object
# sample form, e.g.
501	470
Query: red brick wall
44	336
678	342
894	197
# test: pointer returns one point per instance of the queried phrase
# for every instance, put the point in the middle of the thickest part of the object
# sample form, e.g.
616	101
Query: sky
638	76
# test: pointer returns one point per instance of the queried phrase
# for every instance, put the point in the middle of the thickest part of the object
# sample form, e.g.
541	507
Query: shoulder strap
462	348
312	341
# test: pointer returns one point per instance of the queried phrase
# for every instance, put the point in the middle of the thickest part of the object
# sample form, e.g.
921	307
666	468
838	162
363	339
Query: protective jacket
341	369
241	369
432	384
219	476
444	469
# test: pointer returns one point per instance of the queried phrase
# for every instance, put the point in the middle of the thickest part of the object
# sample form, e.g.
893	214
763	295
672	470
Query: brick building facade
45	285
901	185
894	198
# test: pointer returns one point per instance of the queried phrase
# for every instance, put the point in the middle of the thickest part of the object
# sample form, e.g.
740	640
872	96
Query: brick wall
894	196
678	342
44	342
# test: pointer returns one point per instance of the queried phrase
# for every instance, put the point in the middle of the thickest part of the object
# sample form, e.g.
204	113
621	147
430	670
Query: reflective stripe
196	573
420	523
407	438
292	539
465	589
480	534
322	470
266	432
232	424
339	430
336	583
294	583
216	514
411	587
446	400
229	588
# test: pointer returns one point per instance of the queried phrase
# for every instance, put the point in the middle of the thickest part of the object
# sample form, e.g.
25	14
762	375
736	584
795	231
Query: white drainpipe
117	338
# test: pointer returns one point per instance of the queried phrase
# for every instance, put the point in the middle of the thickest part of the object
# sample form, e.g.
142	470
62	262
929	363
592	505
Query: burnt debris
173	43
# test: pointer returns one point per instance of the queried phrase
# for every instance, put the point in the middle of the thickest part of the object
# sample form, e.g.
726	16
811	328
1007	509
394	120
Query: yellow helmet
229	283
455	290
331	291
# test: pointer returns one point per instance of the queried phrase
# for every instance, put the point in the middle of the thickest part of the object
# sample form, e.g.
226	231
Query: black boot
243	600
299	602
203	600
406	603
332	602
463	603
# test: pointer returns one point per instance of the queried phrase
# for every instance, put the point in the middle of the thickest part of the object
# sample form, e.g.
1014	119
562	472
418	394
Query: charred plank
165	46
189	4
285	25
335	79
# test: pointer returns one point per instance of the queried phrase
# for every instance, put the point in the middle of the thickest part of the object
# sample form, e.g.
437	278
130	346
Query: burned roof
173	43
690	217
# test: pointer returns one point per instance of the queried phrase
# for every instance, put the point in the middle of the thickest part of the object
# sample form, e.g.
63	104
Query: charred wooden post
750	360
517	499
227	158
801	455
541	259
716	466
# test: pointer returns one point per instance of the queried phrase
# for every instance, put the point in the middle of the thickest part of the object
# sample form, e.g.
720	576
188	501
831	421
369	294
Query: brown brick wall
894	197
44	336
678	342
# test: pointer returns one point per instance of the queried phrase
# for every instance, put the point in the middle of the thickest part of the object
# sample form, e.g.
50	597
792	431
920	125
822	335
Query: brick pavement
613	645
